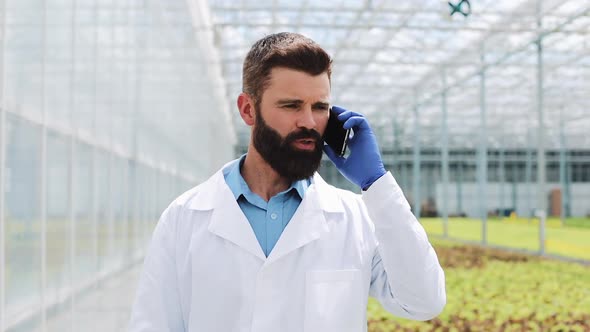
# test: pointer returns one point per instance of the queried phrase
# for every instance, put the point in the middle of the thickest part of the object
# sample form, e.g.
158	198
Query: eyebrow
321	104
299	102
289	101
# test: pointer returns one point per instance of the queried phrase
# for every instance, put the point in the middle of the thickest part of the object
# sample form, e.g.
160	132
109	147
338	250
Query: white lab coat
205	270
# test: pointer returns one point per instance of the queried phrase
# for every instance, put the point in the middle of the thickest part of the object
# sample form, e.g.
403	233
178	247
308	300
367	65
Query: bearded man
265	244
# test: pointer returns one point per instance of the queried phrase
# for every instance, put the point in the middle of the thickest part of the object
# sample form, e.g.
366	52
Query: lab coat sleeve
407	278
157	304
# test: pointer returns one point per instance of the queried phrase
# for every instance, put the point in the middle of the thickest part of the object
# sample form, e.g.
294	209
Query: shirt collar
239	187
213	193
300	186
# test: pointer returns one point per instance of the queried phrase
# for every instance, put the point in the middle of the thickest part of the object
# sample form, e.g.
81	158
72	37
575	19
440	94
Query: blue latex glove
363	166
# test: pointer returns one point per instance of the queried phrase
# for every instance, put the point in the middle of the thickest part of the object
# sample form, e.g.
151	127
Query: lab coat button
273	216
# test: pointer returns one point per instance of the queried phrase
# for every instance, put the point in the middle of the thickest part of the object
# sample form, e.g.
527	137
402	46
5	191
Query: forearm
414	274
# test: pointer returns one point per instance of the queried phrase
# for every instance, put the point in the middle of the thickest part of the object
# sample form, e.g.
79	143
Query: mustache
303	134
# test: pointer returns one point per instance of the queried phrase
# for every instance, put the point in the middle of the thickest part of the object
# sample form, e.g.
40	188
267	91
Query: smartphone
335	135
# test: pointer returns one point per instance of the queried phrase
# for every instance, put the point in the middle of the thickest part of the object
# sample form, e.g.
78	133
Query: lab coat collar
210	192
229	222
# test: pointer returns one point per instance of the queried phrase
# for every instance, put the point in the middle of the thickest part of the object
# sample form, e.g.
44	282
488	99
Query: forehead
289	83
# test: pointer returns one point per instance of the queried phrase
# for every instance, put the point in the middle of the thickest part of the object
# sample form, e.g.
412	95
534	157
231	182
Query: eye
290	106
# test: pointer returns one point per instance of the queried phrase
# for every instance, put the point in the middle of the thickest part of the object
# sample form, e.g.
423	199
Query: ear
246	107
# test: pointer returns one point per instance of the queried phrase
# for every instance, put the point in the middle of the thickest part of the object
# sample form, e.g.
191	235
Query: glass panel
104	216
118	201
59	242
58	62
83	196
24	56
134	207
22	217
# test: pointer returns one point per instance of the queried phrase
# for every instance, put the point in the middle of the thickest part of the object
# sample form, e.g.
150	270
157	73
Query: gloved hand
363	166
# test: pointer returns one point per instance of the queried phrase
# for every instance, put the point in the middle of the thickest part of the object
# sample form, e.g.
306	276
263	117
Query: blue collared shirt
268	219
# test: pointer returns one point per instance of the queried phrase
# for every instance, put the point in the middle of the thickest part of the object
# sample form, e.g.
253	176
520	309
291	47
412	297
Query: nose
306	118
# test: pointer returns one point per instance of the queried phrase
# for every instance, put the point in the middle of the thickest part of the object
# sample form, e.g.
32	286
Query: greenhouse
111	110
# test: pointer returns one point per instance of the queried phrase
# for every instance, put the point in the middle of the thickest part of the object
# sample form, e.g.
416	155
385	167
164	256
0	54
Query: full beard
290	163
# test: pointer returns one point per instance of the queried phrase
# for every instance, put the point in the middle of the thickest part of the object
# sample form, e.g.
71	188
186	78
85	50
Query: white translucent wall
109	110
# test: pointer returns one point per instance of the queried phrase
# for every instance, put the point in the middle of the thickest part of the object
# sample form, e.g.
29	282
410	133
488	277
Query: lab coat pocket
334	301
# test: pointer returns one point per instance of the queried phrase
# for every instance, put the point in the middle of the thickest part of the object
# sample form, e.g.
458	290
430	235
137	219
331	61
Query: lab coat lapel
309	221
229	222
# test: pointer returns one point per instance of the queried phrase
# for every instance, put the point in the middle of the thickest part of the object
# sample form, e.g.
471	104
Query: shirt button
273	216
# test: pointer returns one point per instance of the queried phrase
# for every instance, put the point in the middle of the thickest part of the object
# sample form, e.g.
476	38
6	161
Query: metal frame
72	166
504	21
416	165
43	177
2	167
541	165
445	154
482	165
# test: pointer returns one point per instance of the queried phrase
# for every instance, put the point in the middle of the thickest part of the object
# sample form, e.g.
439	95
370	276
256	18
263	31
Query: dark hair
284	49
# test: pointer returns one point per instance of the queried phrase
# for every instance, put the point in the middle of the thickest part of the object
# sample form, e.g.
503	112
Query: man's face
290	122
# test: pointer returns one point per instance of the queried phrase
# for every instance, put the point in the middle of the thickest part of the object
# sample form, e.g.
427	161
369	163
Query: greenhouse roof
397	61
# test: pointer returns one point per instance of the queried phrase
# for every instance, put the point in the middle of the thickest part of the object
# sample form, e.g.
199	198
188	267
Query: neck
262	179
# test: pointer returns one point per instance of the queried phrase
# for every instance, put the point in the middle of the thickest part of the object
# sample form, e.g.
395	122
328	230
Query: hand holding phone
363	165
335	135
